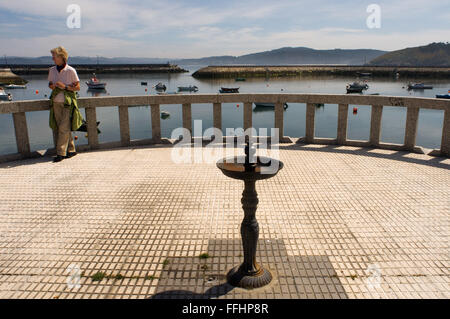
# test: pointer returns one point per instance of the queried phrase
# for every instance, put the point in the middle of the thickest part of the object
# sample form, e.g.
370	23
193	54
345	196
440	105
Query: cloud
75	44
251	40
157	15
194	28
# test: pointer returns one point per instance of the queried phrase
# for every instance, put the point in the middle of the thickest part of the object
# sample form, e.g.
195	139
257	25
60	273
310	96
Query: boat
165	93
362	74
443	96
240	80
15	86
165	115
5	96
191	88
160	87
269	105
357	87
229	90
95	84
144	83
419	86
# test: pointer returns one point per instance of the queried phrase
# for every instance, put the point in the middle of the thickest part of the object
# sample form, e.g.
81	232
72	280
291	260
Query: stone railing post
124	124
279	119
375	125
412	119
310	122
21	130
91	119
156	123
248	112
217	115
445	142
342	124
187	117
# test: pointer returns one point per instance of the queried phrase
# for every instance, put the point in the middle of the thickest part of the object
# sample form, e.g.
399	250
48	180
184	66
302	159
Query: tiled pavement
336	222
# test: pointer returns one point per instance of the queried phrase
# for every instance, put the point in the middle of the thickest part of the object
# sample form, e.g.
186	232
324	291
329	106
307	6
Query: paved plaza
336	222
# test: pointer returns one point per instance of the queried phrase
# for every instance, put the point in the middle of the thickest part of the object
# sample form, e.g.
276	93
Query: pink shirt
68	76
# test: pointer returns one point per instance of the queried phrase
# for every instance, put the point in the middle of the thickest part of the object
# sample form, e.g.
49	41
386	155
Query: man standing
64	113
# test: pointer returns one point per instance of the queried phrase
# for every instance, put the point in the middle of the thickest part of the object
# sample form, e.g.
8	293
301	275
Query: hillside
281	56
434	54
298	55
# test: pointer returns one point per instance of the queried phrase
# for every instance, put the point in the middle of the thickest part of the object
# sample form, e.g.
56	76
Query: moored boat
191	88
357	87
166	93
240	79
229	90
443	96
269	105
15	86
160	87
5	96
95	84
165	115
419	86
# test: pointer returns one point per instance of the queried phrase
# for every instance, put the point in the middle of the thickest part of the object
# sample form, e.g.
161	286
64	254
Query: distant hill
289	55
434	54
281	56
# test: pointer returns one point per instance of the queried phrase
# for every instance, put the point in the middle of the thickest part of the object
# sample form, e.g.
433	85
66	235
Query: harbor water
393	122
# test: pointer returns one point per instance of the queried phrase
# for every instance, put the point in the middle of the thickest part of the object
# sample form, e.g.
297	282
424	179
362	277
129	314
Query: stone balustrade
412	104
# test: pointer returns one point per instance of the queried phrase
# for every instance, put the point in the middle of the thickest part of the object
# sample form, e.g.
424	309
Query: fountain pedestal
249	168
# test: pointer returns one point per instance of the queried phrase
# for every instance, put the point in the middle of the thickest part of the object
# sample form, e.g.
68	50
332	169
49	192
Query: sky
198	28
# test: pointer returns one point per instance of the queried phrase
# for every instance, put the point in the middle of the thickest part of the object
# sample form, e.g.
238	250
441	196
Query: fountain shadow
295	277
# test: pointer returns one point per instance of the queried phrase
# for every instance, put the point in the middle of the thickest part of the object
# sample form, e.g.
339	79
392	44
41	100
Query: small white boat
165	115
14	86
95	84
5	96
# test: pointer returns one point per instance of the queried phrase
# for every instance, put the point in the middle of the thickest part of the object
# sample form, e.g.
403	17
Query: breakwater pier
29	69
249	71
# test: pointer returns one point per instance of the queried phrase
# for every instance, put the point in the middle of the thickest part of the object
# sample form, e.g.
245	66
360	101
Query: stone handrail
413	105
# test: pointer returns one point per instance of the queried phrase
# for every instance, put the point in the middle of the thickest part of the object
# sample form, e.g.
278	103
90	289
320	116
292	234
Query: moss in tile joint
99	276
204	256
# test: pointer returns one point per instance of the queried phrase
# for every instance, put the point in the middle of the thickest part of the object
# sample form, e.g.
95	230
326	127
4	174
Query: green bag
70	100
